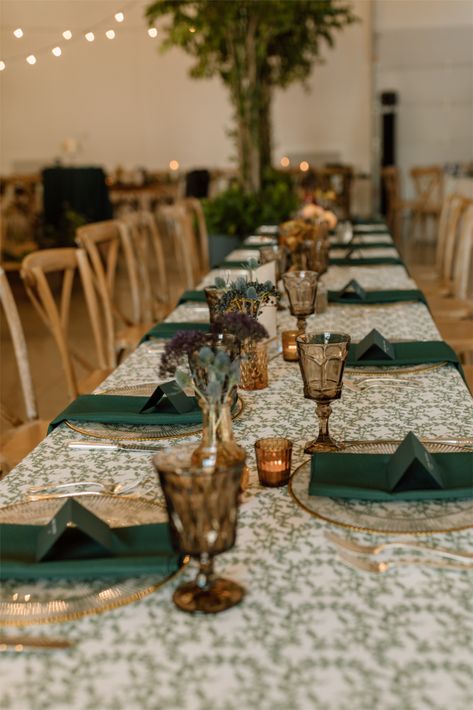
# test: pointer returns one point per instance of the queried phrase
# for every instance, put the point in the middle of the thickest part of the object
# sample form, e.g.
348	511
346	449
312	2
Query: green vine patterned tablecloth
311	633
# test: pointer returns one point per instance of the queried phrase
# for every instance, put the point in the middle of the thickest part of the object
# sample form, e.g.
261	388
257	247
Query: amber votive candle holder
273	460
289	345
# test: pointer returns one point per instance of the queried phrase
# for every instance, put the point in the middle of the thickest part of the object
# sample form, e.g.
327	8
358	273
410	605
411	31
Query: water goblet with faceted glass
301	288
322	359
202	506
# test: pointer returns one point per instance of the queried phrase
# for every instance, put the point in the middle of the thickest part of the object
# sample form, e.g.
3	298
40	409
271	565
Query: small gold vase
253	365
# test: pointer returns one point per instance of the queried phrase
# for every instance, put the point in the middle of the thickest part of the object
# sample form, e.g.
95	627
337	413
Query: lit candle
273	459
289	346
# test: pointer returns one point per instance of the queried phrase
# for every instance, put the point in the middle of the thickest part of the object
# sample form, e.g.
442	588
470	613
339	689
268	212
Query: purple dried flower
178	348
240	325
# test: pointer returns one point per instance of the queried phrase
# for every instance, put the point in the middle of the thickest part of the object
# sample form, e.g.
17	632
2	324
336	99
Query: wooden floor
47	375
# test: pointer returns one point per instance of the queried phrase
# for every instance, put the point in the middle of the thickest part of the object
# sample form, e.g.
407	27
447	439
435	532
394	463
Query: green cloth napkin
136	550
121	409
362	245
377	297
259	246
368	261
167	331
365	476
241	264
411	353
195	296
360	221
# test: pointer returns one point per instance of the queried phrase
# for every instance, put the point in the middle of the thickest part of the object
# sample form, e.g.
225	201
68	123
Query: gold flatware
373	550
364	565
23	643
80	445
98	486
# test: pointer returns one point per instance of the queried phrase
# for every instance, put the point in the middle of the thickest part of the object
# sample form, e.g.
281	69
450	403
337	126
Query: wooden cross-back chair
23	434
397	207
66	262
104	243
200	226
428	185
176	224
142	237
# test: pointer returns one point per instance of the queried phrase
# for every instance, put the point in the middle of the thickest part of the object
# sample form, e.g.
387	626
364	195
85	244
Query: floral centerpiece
307	241
214	369
246	296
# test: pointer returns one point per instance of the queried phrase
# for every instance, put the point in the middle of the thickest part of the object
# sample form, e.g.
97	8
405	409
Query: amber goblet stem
301	323
324	441
205	576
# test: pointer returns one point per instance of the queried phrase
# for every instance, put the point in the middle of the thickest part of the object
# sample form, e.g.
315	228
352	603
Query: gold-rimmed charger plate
54	601
130	432
401	370
399	518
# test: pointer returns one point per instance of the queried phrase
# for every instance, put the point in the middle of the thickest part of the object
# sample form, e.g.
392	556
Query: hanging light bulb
174	165
57	51
90	36
285	162
67	34
18	33
110	34
153	32
119	16
304	166
2	66
192	29
31	59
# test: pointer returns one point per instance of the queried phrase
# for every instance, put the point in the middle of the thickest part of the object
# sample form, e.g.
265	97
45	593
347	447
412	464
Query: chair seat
458	335
448	308
17	443
92	380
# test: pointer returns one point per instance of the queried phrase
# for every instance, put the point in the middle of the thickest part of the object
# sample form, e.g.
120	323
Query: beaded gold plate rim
94	610
363	528
100	434
402	370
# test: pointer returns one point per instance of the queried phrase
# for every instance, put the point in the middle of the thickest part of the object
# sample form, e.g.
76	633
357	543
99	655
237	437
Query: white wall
424	51
129	105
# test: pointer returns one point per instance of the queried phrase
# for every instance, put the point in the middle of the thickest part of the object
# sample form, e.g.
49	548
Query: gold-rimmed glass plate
132	432
402	370
400	517
45	601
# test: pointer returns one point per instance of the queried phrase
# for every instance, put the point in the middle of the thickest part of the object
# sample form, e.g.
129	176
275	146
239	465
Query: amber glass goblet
322	359
301	288
202	507
213	296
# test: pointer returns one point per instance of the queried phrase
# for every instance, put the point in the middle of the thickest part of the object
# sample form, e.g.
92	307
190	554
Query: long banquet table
311	632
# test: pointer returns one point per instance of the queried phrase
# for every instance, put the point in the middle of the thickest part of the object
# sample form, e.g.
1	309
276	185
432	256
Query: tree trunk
265	139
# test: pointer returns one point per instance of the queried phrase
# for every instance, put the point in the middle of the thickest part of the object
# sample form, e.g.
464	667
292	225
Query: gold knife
22	643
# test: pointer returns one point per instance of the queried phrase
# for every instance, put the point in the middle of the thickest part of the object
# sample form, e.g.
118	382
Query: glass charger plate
54	601
409	517
130	432
401	370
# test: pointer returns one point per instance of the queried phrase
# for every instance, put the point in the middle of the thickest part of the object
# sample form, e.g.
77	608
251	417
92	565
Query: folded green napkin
121	409
361	245
166	331
410	353
136	550
372	297
366	477
361	221
259	246
195	296
368	261
240	264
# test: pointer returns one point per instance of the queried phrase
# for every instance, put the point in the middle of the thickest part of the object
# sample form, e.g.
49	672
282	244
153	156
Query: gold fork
358	549
365	565
21	643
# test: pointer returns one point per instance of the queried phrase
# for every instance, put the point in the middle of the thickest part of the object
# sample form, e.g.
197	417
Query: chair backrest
442	233
104	243
446	259
19	346
65	262
200	227
176	224
463	264
428	184
143	237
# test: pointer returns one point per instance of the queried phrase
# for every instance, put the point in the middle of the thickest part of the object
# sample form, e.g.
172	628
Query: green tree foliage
254	46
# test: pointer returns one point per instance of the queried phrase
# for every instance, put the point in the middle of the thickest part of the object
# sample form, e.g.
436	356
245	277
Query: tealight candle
289	345
273	460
